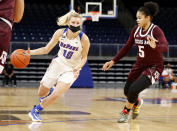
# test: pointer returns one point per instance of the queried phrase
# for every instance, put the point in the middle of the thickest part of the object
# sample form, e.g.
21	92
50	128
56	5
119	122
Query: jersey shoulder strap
64	33
81	34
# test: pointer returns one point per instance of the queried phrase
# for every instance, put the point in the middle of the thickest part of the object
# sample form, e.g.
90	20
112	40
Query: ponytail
149	9
63	20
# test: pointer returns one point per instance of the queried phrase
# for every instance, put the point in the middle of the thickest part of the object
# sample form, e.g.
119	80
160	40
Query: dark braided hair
149	9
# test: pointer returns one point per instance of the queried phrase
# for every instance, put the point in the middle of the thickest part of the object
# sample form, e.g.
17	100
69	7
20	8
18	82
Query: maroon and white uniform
6	22
149	61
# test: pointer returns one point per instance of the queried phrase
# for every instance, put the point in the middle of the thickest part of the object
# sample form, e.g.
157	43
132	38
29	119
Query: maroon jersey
146	55
7	9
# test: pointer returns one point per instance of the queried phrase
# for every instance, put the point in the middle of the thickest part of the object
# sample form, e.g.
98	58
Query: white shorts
58	71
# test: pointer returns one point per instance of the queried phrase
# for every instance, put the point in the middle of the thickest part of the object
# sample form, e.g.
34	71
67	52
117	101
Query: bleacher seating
118	73
39	24
106	31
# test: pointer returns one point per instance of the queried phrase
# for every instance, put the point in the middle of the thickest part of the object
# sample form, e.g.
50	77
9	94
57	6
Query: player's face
75	21
75	24
142	20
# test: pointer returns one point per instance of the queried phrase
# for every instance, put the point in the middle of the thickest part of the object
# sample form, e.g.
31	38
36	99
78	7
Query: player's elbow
46	50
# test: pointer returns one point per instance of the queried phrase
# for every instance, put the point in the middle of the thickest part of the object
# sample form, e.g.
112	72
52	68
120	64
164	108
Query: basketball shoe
34	114
124	117
50	92
136	109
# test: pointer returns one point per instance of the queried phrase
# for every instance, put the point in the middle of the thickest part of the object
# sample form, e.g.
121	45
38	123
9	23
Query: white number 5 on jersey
141	51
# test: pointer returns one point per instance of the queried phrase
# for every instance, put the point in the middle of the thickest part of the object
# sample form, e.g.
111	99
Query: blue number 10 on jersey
68	54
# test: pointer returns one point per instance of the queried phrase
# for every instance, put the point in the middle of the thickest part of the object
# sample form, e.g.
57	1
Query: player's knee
132	99
41	94
43	91
132	95
126	88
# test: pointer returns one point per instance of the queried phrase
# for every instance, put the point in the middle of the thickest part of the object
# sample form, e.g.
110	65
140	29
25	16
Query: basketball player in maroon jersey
150	43
10	11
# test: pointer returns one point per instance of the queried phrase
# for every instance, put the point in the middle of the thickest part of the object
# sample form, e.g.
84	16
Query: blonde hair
63	20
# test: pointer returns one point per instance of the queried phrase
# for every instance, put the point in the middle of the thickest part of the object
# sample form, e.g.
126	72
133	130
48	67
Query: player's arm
85	49
123	51
49	46
159	35
18	10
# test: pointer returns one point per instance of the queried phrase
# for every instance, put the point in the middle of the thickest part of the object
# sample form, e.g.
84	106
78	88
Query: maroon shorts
153	72
5	37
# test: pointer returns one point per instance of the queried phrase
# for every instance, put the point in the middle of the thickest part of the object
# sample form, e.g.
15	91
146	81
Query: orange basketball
19	58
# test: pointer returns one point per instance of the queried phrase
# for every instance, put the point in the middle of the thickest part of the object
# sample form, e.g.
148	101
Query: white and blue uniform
61	67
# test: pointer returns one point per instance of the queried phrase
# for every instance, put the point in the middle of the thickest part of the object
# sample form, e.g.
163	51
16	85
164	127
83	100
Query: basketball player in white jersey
64	68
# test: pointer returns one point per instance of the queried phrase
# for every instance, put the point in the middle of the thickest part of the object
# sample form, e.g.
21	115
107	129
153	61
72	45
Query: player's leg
46	92
60	89
43	91
35	112
126	87
49	80
153	73
63	84
124	113
133	75
137	86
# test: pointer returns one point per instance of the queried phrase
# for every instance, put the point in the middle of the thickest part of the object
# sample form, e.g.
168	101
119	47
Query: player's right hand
107	65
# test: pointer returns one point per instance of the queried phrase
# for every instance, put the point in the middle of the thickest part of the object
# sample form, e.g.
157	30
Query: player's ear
148	17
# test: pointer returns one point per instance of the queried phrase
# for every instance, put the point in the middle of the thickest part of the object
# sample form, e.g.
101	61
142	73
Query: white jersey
70	50
170	71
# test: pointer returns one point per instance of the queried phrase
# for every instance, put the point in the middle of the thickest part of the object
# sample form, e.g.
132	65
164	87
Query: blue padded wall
85	78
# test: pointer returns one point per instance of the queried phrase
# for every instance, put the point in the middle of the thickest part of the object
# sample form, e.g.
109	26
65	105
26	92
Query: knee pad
139	85
132	95
126	88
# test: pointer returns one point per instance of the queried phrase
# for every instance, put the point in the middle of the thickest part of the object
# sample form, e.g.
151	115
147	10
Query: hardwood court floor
87	110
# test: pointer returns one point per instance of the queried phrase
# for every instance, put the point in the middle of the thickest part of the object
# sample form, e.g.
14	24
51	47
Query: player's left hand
27	51
151	42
